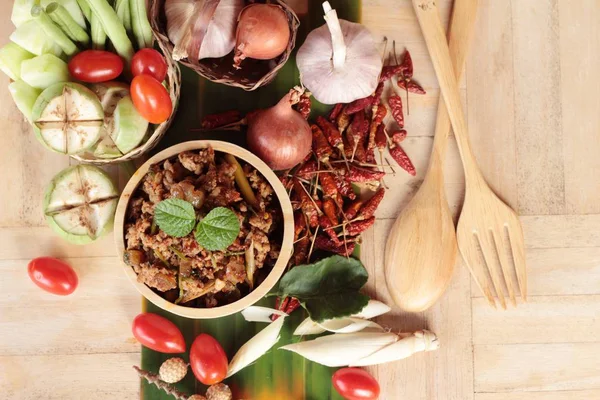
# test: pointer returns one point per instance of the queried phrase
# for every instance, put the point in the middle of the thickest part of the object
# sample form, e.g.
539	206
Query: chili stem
312	244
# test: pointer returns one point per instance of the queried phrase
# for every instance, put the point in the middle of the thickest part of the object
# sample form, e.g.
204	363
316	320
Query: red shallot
279	135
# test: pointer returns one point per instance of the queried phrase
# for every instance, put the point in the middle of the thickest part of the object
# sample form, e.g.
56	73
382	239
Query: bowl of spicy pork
204	229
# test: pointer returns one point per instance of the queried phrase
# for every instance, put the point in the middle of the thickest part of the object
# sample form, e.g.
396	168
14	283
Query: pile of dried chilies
329	215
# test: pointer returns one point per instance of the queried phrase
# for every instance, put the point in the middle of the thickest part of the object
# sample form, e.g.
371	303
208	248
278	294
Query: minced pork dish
178	268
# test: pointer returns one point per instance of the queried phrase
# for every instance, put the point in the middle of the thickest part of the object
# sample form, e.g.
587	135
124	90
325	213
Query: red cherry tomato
53	275
355	384
208	360
149	62
158	333
151	99
95	66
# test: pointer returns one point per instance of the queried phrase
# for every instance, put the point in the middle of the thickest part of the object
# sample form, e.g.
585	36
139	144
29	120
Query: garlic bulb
339	61
202	29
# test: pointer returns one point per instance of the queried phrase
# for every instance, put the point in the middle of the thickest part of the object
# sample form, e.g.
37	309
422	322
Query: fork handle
435	38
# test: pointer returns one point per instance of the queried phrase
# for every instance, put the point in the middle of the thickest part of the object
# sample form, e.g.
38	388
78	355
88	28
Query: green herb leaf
218	230
175	217
328	288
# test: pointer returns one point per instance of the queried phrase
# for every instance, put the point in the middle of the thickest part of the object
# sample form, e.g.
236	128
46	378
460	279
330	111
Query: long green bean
140	24
67	23
98	34
124	13
85	9
113	27
53	31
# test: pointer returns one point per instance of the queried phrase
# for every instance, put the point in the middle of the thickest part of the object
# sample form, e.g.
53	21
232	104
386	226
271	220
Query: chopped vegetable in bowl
202	230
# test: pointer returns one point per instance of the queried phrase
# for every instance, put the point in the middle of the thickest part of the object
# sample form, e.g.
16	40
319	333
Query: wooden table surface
531	95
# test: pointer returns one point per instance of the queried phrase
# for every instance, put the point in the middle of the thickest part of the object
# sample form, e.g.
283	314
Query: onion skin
279	135
263	33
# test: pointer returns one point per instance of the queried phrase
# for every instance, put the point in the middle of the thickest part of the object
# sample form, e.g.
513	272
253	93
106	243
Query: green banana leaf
279	374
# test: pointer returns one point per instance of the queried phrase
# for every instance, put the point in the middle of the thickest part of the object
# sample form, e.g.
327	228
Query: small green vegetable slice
44	71
218	229
24	97
80	203
68	118
31	37
129	126
11	57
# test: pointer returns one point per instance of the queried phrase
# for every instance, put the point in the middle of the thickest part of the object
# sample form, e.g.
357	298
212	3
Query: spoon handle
460	35
435	38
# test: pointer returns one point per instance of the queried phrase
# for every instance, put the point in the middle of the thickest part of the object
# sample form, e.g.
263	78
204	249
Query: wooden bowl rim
286	245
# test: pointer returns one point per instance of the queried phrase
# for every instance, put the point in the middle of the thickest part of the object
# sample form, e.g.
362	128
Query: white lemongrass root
403	348
342	349
254	348
349	324
260	314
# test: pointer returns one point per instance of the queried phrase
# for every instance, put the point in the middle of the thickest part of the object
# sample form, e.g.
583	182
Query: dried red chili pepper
369	208
285	181
399	136
307	170
406	67
342	120
307	205
301	251
359	105
380	137
327	227
355	174
344	187
352	209
326	244
304	104
357	134
358	227
280	304
389	71
213	121
400	156
330	210
293	304
378	116
377	95
299	225
329	187
335	111
320	145
330	131
395	103
411	86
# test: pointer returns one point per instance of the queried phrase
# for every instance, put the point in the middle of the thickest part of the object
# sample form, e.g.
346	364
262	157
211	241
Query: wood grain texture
537	367
538	118
543	319
579	66
91	377
561	395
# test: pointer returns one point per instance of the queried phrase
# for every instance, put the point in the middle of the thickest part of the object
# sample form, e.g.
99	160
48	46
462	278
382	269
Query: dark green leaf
175	217
218	230
328	288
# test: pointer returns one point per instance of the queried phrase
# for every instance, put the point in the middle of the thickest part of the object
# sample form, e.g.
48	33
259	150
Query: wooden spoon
421	250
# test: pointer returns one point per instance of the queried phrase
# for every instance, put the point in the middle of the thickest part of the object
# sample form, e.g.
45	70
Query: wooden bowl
286	245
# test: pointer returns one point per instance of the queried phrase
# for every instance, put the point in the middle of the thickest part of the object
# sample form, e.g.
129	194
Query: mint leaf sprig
215	232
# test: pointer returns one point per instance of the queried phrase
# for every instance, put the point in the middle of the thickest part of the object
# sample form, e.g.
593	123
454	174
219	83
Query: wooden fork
489	233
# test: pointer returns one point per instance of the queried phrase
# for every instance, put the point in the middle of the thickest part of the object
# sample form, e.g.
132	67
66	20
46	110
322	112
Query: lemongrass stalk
65	21
124	13
72	7
403	348
85	9
140	24
53	31
11	57
113	27
24	97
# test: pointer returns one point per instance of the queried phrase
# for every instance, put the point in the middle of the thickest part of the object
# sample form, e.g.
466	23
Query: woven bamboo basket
252	75
174	86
